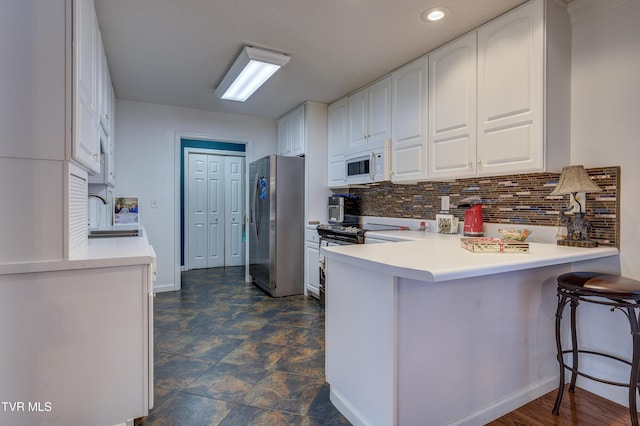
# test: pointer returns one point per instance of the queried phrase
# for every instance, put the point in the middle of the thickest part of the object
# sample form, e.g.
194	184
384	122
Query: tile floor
228	354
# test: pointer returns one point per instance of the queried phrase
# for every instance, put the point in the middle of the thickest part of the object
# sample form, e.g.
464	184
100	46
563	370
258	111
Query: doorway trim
177	191
184	199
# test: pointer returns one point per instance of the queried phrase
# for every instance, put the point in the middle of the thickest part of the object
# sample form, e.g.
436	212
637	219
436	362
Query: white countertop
99	253
439	257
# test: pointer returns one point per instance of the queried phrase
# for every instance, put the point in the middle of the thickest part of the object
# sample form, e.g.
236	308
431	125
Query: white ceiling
176	52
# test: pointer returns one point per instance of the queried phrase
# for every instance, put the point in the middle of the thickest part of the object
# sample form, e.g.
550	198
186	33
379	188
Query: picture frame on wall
126	210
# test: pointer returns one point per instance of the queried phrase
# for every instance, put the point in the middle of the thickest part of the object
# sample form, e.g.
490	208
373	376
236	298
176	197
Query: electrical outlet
444	203
578	207
155	203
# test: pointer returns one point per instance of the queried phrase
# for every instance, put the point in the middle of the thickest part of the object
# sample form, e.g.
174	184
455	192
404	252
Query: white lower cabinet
311	260
81	344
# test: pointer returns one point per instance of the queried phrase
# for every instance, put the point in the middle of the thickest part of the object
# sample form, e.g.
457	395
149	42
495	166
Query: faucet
99	197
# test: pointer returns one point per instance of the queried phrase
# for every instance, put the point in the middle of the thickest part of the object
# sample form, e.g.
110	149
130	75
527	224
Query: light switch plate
444	203
155	203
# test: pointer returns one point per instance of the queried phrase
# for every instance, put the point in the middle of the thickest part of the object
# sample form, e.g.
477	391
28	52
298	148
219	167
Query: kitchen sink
114	233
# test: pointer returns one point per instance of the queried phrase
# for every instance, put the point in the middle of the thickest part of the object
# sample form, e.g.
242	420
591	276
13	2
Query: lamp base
577	243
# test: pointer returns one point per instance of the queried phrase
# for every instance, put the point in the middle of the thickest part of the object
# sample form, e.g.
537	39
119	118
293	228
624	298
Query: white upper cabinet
338	129
86	142
105	111
409	122
519	121
369	114
303	131
291	133
511	92
452	109
497	102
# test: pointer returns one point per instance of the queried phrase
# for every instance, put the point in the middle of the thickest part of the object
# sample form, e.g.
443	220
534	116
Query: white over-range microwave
369	166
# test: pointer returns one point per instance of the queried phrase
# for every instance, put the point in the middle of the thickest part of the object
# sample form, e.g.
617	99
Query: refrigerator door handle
254	203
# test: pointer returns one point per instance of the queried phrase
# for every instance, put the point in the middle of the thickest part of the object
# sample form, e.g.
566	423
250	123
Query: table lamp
574	179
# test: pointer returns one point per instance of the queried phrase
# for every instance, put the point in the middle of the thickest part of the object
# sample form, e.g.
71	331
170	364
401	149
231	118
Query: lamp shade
251	69
574	179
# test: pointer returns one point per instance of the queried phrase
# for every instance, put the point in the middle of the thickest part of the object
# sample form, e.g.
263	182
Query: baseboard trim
509	403
482	416
163	288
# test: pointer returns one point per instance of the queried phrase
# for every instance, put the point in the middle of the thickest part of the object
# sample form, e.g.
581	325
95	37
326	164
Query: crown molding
579	10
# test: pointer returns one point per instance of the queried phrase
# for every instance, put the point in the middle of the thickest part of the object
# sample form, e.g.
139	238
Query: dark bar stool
615	292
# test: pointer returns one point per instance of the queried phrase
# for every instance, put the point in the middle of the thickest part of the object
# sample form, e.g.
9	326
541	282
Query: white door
197	211
234	211
215	209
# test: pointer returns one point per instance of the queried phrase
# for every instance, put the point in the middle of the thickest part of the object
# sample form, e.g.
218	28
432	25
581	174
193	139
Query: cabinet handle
479	162
470	163
372	165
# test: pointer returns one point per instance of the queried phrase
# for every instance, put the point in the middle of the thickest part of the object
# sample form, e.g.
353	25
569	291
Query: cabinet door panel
452	109
338	129
379	113
409	117
411	159
297	132
357	121
499	146
284	136
507	70
511	91
86	143
451	157
312	257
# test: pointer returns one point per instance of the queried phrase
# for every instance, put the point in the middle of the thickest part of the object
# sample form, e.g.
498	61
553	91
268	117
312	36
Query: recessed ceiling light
434	14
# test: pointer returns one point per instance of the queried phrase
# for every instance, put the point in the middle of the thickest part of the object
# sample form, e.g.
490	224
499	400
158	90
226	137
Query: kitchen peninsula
426	331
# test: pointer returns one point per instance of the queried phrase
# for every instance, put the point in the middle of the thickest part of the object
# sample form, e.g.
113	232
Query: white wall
145	151
605	122
605	125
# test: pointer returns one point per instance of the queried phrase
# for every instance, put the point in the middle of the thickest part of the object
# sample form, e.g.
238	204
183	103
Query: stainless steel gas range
335	235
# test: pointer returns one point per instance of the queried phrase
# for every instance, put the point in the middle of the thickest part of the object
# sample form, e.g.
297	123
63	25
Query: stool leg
574	343
562	300
635	365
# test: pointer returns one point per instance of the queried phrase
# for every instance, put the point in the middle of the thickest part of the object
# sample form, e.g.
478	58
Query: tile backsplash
515	199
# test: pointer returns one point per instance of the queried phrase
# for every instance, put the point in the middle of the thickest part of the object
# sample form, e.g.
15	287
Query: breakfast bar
443	335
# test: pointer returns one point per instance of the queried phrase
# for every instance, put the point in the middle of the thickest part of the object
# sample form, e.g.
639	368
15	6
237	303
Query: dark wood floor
579	408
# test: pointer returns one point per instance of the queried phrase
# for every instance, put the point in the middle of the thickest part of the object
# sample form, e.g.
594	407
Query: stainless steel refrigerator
276	224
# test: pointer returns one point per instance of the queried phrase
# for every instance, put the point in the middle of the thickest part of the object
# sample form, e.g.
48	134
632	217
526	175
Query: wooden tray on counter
493	245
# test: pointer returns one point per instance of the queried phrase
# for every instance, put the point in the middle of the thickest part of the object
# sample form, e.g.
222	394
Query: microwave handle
372	165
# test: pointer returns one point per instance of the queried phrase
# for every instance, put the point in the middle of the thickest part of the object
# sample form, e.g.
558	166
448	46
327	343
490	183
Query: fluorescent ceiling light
249	71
